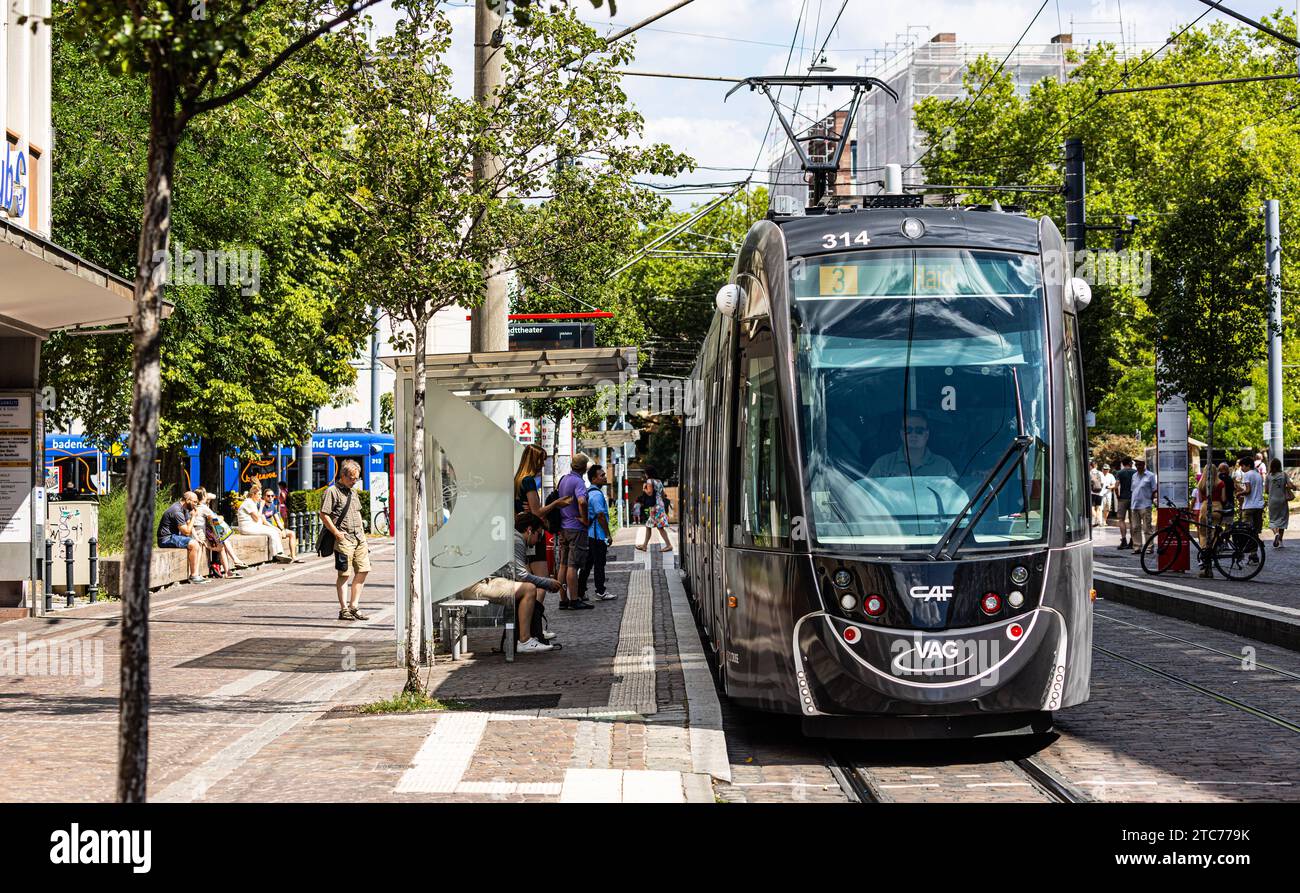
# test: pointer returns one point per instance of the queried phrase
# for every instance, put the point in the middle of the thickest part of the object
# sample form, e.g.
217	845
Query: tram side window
764	510
1076	494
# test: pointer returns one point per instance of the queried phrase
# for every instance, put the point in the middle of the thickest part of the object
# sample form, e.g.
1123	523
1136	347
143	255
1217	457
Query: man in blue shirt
572	543
598	537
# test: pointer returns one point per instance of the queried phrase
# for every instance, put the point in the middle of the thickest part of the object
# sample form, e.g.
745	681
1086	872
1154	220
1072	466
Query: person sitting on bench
512	584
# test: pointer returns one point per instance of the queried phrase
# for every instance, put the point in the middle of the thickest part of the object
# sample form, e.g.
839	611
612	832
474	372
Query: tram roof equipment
860	85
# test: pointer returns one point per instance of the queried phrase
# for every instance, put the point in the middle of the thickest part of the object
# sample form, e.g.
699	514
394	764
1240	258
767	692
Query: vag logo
942	656
931	593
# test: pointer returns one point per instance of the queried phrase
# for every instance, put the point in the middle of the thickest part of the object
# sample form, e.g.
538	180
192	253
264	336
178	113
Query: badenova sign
13	182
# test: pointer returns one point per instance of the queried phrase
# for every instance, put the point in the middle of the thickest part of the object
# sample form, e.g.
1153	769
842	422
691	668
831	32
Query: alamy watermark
654	396
82	657
234	266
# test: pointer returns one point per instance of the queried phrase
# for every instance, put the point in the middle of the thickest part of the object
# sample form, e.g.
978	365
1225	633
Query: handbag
325	540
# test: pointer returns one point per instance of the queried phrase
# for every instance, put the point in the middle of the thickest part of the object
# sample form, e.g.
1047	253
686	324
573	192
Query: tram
885	521
75	466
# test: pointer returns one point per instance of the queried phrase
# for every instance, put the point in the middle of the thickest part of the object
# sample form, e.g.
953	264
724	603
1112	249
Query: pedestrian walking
1094	487
1108	485
654	510
598	536
340	514
1123	499
573	541
1252	495
1280	494
1141	500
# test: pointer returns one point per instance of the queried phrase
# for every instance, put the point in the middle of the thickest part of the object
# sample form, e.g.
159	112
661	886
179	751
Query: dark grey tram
884	509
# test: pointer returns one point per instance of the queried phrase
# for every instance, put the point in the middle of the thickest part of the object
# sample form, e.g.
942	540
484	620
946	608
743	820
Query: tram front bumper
852	669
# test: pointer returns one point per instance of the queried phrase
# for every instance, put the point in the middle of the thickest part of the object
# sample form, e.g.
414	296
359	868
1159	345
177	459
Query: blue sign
13	181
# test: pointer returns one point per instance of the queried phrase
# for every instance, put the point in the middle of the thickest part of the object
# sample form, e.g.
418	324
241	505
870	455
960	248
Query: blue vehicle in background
76	467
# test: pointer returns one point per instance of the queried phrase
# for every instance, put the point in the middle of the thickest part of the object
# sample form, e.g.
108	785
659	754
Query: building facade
887	132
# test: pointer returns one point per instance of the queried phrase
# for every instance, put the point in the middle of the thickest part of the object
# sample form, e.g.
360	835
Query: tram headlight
991	603
1019	575
1016	598
913	228
843	578
874	605
848	602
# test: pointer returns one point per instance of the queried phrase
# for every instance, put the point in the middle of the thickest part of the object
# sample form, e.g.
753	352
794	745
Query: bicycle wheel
1239	554
1161	551
381	523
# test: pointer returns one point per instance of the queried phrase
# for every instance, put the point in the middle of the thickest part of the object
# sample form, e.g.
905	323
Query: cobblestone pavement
1276	588
1141	737
255	687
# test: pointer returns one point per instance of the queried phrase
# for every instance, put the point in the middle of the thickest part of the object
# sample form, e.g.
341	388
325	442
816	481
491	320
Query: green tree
1147	154
407	145
1210	309
240	370
197	57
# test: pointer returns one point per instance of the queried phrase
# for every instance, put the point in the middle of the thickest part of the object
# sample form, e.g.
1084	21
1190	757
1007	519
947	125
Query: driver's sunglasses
915	429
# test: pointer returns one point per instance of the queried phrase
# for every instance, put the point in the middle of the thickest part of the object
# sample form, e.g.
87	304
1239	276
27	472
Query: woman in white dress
251	523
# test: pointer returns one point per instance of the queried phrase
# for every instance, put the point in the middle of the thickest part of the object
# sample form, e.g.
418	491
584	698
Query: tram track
864	784
1203	647
1258	712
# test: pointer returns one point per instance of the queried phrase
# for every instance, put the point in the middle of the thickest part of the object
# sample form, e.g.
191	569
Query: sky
741	38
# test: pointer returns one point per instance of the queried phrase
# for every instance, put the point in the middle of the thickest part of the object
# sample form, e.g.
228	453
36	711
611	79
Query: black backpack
552	519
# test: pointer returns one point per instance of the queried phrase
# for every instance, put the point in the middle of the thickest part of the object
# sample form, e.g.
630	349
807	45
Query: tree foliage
1151	154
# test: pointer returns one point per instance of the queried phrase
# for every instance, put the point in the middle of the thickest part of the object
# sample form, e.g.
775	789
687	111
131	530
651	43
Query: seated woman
210	529
271	513
251	523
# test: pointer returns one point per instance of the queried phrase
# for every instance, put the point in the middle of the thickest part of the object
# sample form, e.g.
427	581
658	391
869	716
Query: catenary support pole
1273	253
374	371
488	322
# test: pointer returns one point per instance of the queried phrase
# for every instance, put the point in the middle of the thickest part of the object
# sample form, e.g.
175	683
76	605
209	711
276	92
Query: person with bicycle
1217	503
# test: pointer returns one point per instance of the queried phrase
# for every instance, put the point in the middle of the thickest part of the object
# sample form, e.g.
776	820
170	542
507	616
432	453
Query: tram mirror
729	298
1081	292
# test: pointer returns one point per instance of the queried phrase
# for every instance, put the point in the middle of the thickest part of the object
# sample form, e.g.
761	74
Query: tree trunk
151	270
211	468
173	468
416	469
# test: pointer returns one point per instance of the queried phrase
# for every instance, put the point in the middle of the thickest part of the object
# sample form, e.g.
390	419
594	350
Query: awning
524	374
44	288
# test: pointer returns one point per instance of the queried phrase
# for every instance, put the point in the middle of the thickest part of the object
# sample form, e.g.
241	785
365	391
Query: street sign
1268	432
526	433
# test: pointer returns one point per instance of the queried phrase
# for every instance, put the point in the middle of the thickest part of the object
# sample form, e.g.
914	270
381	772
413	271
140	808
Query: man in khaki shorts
340	512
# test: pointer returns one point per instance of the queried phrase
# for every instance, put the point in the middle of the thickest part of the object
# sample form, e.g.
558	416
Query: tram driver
913	458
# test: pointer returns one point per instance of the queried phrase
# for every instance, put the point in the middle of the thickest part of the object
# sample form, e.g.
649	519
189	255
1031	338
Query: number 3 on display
845	240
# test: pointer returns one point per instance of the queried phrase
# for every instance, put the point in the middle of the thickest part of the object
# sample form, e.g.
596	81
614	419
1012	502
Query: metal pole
68	563
488	322
374	372
304	464
48	582
1274	257
92	591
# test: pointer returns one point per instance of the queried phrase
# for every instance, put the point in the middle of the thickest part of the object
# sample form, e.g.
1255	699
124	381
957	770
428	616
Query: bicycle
1236	550
382	520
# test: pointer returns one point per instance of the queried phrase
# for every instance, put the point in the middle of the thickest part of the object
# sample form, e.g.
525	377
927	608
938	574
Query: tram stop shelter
43	289
467	503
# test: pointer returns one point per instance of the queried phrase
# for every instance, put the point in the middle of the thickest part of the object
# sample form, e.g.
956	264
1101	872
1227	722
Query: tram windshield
918	369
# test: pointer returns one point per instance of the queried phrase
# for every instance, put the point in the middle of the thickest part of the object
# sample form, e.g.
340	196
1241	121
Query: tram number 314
845	240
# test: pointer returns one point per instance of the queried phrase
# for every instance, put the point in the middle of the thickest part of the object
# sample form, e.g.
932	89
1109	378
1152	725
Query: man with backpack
572	542
598	536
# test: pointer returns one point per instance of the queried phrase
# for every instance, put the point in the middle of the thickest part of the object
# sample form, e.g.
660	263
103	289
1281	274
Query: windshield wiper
953	538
